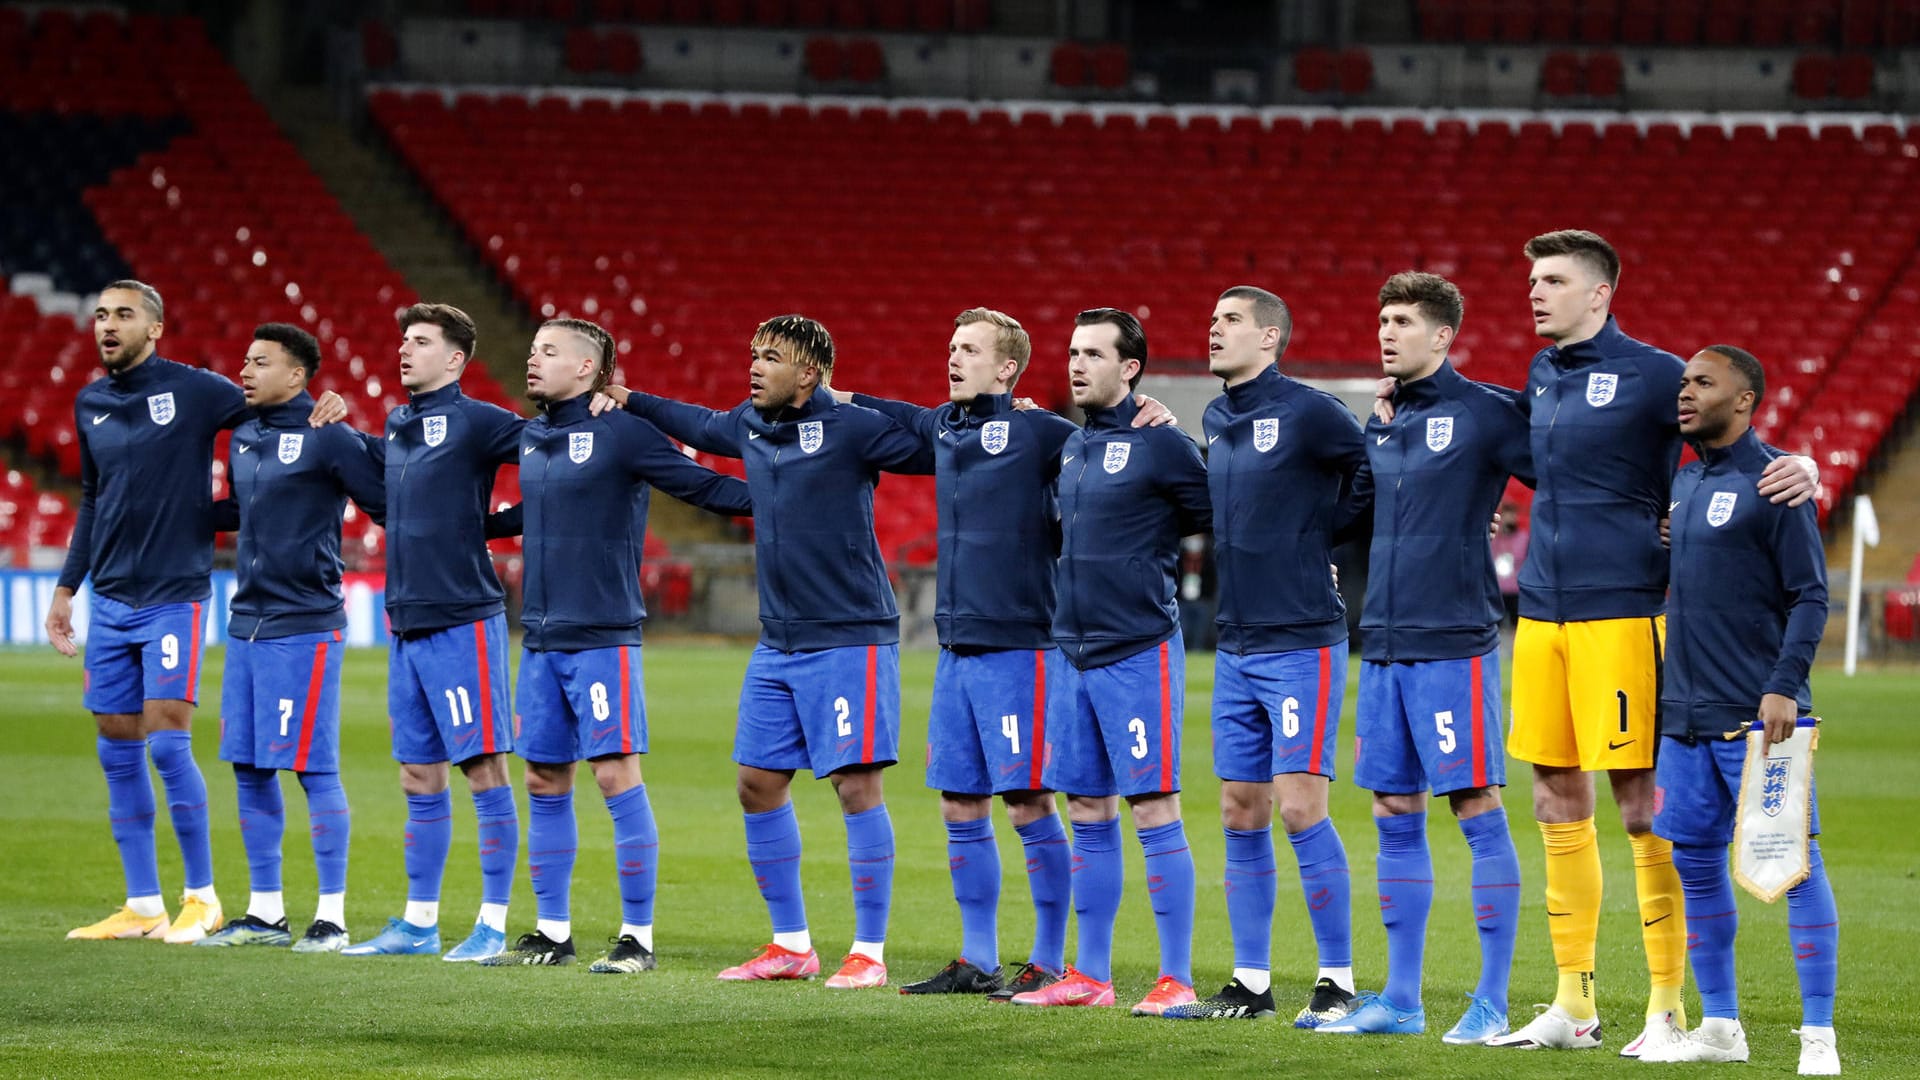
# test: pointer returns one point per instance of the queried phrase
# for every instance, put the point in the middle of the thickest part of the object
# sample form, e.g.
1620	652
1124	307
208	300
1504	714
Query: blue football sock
773	850
130	810
1050	880
1098	875
553	839
332	826
1496	900
973	859
1328	887
1813	924
429	835
636	851
1251	888
172	753
1405	871
498	827
1712	921
1170	888
263	824
870	864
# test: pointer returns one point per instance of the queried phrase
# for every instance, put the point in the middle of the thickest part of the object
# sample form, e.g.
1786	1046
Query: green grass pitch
138	1009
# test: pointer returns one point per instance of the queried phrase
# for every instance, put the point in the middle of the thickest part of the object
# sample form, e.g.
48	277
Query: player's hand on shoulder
1383	399
1779	716
1666	531
331	408
1026	404
1791	479
1152	413
607	399
60	623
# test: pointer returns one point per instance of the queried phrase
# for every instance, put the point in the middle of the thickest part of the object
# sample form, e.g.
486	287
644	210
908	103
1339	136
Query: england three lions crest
1266	434
1439	433
1600	388
160	408
1117	453
812	434
435	430
993	436
290	444
1773	786
579	446
1720	510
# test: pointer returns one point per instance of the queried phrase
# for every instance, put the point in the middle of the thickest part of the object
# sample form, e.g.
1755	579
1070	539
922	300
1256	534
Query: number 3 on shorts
1139	729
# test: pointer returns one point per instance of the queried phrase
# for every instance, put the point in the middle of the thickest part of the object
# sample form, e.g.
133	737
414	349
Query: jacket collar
1260	388
986	405
1434	387
446	395
1118	418
142	375
292	412
571	411
1592	350
819	403
1744	453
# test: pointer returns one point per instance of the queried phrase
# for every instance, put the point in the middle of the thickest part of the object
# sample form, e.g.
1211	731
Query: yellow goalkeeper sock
1663	922
1573	909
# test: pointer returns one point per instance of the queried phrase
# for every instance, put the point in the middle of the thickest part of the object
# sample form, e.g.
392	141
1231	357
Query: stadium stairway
420	242
1896	504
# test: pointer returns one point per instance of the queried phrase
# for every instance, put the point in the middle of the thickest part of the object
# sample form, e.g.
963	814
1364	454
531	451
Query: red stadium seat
865	62
583	51
622	52
1069	65
1110	66
1813	76
1313	70
851	14
826	60
1560	74
1356	72
1603	71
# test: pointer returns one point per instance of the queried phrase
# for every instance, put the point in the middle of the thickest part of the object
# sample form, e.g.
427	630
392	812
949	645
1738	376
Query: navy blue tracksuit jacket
1281	457
290	485
811	472
145	527
1127	496
1433	478
584	492
1605	441
442	451
1749	599
999	518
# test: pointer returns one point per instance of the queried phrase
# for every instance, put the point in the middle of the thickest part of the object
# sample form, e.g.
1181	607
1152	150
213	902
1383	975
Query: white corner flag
1866	533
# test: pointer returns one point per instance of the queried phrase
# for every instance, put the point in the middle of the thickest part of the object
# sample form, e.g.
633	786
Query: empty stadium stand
680	225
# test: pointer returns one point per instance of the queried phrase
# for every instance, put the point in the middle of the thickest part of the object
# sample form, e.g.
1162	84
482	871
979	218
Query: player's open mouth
954	378
1389	354
1214	347
1687	415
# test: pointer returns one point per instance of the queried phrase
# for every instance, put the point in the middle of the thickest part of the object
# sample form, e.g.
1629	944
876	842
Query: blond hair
1011	341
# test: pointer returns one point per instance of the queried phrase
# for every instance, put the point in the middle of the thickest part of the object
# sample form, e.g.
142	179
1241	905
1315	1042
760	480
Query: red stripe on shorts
1320	712
1166	723
866	737
1037	745
315	684
626	720
1473	728
486	686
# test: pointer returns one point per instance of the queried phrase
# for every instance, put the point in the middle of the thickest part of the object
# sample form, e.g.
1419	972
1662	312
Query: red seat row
667	226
